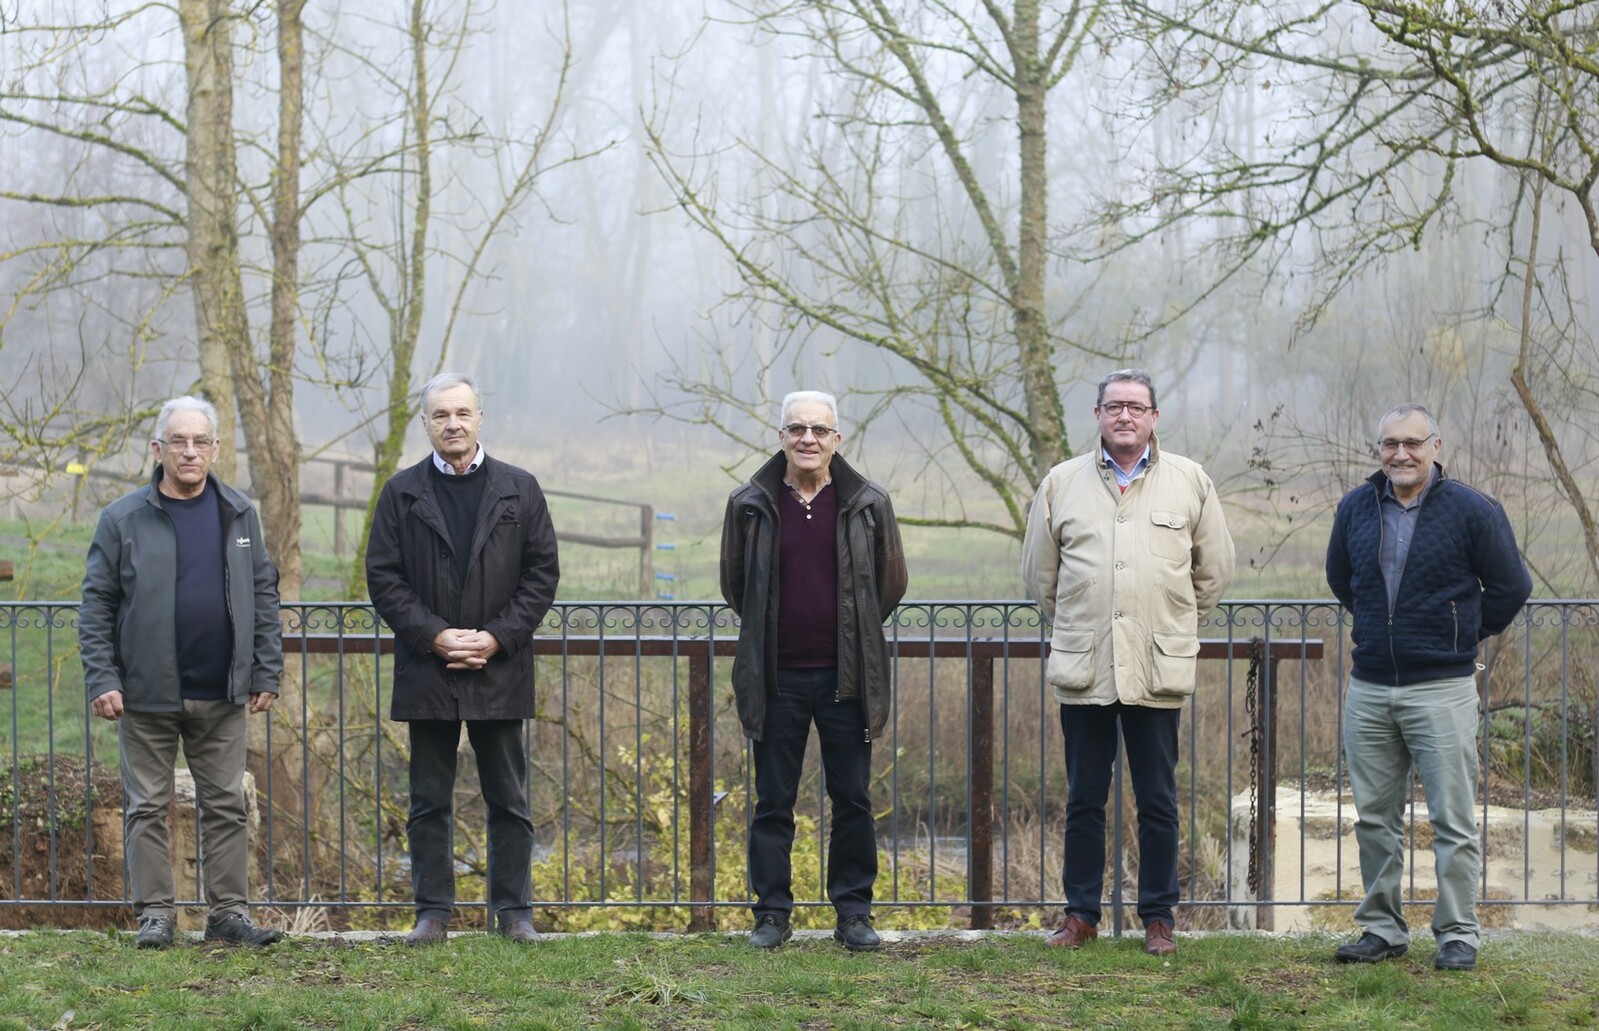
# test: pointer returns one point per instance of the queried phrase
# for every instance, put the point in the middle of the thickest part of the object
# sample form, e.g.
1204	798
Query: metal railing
641	784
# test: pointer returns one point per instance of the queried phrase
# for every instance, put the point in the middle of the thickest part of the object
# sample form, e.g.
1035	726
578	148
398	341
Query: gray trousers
1388	730
213	737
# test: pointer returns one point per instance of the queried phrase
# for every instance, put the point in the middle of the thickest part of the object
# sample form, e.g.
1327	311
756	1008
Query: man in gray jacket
1126	550
177	643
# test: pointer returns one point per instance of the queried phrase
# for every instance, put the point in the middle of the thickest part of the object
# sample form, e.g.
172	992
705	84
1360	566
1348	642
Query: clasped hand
465	649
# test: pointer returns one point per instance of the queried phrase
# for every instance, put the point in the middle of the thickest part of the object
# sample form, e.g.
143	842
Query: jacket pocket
1170	536
1172	659
1071	659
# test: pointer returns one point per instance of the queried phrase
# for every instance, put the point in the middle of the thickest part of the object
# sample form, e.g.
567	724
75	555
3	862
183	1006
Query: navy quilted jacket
1463	581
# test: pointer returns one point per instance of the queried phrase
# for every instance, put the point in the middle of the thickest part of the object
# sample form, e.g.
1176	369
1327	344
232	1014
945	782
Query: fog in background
600	291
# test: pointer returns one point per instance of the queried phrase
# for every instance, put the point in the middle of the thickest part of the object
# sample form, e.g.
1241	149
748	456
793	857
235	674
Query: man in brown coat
812	563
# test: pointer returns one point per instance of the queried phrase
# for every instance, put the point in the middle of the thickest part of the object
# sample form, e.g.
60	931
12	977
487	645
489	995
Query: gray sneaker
236	929
770	931
155	932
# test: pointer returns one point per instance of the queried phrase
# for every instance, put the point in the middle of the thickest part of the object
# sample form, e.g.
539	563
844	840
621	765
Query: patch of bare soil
56	843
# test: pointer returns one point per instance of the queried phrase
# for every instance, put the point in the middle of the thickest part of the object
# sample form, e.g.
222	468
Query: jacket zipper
1382	535
1454	614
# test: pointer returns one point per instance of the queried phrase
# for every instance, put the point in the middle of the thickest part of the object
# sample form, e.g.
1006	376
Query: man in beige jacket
1126	550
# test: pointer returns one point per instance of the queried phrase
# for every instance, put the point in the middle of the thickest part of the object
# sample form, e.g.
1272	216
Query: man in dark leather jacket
462	565
812	563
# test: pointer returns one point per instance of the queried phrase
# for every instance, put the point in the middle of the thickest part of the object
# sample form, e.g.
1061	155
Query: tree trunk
405	321
1046	419
270	426
212	194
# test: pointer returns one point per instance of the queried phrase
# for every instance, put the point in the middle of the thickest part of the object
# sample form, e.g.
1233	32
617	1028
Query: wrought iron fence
641	783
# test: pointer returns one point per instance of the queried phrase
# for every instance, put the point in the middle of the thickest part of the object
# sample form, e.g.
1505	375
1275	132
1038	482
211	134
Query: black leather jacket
871	581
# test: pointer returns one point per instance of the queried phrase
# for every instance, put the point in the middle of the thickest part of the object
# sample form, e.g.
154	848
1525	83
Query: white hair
800	397
446	380
186	403
1403	410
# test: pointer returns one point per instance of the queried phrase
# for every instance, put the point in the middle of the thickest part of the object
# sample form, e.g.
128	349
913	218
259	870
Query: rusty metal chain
1257	736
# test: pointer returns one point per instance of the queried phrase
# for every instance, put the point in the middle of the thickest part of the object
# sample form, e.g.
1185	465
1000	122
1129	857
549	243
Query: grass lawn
92	980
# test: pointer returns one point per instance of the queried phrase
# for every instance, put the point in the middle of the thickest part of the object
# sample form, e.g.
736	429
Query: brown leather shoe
428	931
1073	933
1158	939
521	931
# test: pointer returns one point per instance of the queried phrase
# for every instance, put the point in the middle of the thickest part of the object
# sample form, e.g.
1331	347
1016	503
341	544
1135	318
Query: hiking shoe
1370	948
1455	955
770	931
856	934
155	932
236	929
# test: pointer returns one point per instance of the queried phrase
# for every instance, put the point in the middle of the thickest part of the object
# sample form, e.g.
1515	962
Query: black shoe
1369	949
236	929
1456	955
856	934
770	931
155	932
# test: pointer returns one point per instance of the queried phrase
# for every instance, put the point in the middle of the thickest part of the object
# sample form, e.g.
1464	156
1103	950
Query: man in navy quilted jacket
1427	568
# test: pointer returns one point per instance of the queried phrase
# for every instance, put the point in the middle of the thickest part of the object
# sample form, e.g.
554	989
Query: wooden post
701	804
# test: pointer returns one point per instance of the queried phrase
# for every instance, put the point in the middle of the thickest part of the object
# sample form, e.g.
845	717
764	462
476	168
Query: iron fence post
980	840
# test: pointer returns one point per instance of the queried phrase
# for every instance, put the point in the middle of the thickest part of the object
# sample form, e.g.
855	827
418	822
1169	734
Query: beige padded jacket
1123	579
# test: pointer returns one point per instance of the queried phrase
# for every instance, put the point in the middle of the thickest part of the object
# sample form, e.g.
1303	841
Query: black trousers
1150	737
501	751
804	696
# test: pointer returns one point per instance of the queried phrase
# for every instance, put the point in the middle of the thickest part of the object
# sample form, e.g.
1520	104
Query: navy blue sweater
1463	581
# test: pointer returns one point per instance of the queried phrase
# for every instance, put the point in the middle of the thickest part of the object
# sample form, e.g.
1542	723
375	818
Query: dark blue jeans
502	774
805	696
1150	736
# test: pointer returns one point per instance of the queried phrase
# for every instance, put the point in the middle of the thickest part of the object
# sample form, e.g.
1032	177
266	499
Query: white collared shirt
449	470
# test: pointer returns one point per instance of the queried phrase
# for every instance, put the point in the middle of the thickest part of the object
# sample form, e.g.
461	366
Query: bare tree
900	231
1385	109
435	127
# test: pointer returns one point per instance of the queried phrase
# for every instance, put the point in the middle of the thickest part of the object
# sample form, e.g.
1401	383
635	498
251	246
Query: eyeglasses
178	445
797	430
1132	408
1390	445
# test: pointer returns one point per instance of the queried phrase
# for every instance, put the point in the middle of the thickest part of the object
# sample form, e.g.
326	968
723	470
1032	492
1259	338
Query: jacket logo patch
241	542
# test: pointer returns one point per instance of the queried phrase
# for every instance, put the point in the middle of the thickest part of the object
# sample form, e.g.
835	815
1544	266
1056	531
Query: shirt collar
1125	477
1389	495
447	469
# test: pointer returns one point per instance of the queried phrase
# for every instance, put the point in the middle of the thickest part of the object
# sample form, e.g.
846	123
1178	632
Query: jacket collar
1379	480
413	481
226	495
846	481
1104	463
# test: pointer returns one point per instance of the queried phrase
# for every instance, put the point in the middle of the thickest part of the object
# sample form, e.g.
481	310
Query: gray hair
1408	408
1127	376
186	403
800	397
446	380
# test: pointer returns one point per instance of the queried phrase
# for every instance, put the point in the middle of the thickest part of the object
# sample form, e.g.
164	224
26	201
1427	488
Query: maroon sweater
807	579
